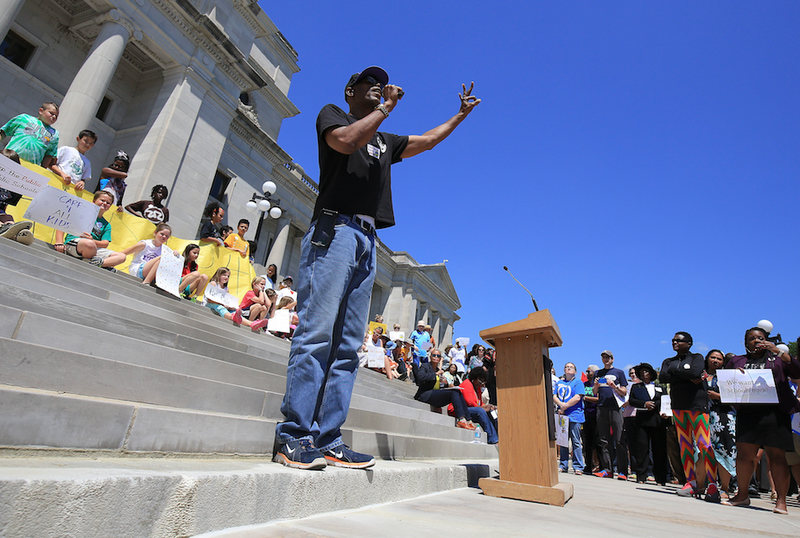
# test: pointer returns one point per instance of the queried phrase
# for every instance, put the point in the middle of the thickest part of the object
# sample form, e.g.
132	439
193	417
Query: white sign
397	335
796	423
280	322
463	340
666	404
16	178
62	211
168	276
425	345
562	430
216	294
376	357
752	386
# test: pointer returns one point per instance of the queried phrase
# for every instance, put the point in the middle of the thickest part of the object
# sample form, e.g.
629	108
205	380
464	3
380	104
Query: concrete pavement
600	507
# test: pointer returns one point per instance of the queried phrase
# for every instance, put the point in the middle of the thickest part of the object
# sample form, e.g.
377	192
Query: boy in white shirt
72	164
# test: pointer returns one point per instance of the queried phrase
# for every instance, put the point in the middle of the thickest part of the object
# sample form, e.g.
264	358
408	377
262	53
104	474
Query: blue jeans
577	449
333	294
480	416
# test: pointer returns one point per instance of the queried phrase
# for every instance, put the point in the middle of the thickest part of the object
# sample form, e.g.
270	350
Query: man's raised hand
468	101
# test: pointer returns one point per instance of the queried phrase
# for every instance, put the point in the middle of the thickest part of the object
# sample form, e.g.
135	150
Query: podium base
557	495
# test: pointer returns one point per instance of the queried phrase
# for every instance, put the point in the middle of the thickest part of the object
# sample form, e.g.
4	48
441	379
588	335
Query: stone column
436	332
8	14
89	86
447	339
278	249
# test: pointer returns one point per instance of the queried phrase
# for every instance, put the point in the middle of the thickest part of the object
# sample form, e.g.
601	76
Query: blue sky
634	164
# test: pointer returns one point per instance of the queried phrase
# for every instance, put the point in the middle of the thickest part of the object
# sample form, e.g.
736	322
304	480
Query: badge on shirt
373	151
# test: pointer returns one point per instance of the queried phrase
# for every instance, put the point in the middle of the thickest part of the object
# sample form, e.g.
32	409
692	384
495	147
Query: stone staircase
96	365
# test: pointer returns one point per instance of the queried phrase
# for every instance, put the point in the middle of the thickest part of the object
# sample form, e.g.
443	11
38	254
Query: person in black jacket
685	372
427	376
647	429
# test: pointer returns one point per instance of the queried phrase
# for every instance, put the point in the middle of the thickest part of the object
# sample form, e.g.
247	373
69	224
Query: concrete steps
96	361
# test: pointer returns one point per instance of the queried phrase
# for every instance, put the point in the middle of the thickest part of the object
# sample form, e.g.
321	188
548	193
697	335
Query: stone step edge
186	498
348	430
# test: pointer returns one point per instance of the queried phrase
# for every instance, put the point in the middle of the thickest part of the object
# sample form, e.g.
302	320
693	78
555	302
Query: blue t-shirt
565	390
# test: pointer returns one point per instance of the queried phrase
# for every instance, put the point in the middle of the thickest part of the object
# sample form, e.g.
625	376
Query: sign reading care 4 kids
63	211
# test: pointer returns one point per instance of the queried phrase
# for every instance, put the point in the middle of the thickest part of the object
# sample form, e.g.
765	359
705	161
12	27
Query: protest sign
666	405
218	295
752	386
280	322
374	324
397	335
16	178
62	211
463	340
168	275
376	357
562	430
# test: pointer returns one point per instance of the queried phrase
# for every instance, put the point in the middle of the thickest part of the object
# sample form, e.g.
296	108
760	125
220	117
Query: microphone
523	287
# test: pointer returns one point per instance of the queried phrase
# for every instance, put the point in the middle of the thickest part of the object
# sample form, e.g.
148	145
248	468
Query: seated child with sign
223	303
148	254
93	247
192	280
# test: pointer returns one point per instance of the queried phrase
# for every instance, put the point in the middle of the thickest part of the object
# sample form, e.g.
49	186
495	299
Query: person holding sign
688	393
148	254
217	292
93	247
767	425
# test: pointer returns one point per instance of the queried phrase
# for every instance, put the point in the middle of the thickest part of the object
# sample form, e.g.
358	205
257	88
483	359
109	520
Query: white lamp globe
269	187
251	206
275	212
765	324
263	205
783	347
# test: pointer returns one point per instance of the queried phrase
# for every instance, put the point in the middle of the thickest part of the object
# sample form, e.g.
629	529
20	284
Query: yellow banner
127	230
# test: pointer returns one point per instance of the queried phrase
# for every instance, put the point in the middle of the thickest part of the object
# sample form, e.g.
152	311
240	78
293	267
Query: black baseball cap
378	73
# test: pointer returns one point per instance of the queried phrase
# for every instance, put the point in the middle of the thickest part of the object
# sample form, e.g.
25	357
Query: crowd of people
416	359
671	425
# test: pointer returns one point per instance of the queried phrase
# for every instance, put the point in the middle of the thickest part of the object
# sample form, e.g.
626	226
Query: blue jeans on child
577	449
333	294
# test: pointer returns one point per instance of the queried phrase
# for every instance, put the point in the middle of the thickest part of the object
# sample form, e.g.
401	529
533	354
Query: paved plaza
600	507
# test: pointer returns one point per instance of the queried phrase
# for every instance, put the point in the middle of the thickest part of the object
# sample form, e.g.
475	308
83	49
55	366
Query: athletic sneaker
621	477
97	261
342	456
712	494
300	454
25	237
687	490
603	474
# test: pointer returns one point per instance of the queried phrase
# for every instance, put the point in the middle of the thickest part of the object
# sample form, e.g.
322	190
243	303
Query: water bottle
477	435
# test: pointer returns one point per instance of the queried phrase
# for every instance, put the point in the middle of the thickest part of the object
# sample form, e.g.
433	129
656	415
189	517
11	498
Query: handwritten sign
220	296
562	430
397	335
463	340
280	322
666	404
168	276
62	211
16	178
374	324
376	357
752	386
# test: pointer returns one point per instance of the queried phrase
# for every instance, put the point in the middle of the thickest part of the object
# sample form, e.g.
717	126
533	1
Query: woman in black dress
646	429
767	425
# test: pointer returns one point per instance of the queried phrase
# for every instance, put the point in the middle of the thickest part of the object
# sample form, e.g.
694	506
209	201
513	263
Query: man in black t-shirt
210	231
337	267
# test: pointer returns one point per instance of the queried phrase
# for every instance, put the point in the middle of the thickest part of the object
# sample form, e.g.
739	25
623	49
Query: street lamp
264	204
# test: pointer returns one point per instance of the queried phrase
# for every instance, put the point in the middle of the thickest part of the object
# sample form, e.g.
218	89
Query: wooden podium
528	468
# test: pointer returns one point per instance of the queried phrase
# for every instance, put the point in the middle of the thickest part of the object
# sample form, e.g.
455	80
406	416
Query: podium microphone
523	287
